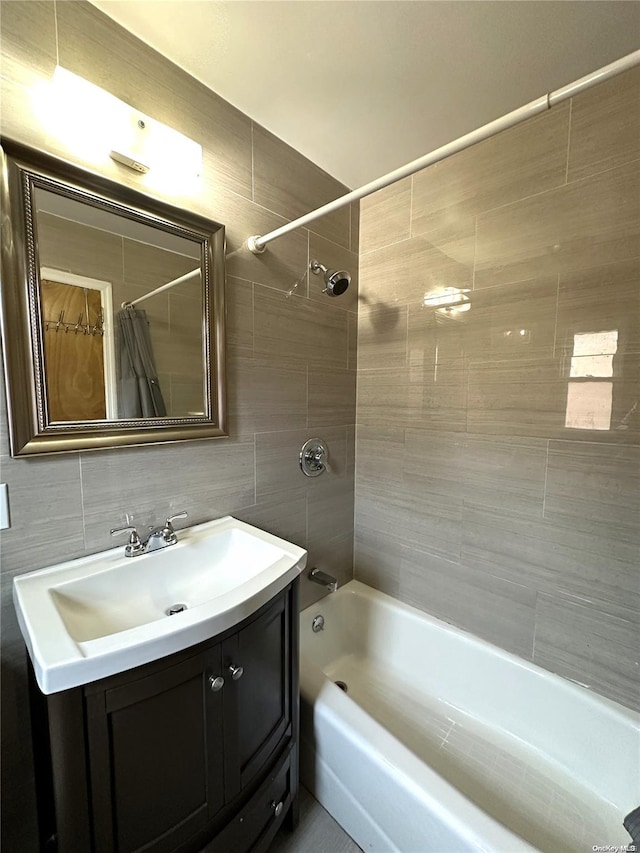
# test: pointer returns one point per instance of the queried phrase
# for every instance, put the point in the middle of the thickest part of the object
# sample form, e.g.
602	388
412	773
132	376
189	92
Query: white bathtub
447	743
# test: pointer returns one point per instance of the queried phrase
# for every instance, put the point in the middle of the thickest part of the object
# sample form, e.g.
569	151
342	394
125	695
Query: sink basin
89	618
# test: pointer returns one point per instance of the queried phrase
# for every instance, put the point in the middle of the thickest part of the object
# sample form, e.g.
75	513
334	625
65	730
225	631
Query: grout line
84	529
386	245
411	208
535	627
555	324
253	178
253	320
475	253
55	23
546	471
255	470
566	173
308	282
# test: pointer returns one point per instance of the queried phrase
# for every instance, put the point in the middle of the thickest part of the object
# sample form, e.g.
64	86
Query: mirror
113	312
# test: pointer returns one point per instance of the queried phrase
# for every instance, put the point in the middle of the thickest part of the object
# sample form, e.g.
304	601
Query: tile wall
498	443
291	361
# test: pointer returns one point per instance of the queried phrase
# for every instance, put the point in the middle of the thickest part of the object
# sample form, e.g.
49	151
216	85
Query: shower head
336	281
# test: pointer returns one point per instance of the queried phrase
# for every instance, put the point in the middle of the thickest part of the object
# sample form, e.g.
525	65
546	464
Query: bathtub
444	742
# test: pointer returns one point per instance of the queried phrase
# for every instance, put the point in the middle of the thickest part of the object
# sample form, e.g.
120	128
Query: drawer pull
236	672
277	808
216	682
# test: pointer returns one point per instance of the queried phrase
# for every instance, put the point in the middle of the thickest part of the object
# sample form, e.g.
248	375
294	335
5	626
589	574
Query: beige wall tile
28	41
553	558
532	158
264	398
584	224
415	517
605	126
405	272
434	462
382	336
376	558
527	398
427	394
278	461
352	341
505	472
239	305
594	487
331	397
385	216
287	183
606	298
150	482
599	651
78	249
354	243
292	331
496	610
45	501
284	515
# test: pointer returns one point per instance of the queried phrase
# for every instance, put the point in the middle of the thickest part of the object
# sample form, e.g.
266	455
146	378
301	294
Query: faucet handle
168	533
168	522
135	545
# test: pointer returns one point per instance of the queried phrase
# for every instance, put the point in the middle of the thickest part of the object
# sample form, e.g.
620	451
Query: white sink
89	618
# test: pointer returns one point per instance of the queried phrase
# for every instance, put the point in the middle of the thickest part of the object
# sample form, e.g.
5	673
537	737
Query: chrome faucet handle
134	545
169	533
172	518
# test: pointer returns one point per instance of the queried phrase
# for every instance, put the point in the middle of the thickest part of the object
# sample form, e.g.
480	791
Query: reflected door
74	356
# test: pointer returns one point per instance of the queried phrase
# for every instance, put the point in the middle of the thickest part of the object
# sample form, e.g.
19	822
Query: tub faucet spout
323	579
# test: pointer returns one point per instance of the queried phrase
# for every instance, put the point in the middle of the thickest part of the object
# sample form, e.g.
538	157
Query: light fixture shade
96	125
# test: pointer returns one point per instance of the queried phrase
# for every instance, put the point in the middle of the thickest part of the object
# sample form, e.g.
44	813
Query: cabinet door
257	706
157	770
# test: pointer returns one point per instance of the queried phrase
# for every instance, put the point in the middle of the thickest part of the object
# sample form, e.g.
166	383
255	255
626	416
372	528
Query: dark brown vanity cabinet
196	752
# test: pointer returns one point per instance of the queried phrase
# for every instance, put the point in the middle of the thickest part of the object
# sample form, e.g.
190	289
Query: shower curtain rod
258	243
162	287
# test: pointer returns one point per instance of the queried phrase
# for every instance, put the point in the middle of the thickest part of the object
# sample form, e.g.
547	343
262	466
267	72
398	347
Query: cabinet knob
276	808
236	672
216	682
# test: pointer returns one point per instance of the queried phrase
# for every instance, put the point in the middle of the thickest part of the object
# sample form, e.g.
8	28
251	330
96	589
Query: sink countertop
95	616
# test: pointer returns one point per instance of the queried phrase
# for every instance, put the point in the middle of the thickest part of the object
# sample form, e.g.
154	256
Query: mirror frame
30	432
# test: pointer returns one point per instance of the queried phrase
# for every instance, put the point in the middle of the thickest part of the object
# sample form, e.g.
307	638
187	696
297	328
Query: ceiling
363	86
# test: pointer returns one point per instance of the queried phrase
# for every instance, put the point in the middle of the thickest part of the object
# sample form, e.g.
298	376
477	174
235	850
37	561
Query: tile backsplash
498	442
291	365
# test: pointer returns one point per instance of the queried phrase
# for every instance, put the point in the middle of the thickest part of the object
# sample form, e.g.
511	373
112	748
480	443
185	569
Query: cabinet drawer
256	824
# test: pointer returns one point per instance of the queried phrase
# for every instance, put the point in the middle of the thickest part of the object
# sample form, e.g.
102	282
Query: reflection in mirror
103	360
113	312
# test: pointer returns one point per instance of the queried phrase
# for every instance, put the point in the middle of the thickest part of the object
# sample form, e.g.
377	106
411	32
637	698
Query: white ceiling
364	86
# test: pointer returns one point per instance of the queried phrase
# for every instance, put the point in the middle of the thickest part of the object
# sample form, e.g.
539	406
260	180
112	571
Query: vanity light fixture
95	125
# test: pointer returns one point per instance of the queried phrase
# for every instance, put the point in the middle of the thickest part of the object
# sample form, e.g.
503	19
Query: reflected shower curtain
139	394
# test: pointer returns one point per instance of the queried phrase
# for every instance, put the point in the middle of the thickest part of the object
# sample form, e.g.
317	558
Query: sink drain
176	608
342	685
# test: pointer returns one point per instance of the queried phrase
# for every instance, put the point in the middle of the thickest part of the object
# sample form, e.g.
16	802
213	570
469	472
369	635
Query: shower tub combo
439	741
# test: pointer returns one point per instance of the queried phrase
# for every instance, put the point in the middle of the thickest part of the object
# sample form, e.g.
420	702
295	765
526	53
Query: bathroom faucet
323	579
159	537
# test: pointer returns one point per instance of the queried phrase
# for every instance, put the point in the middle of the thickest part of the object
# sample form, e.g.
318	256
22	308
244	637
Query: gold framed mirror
113	318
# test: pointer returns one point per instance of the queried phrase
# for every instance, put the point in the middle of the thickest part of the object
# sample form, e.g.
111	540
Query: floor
317	832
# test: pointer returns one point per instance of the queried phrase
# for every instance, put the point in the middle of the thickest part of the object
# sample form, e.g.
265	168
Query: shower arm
258	243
